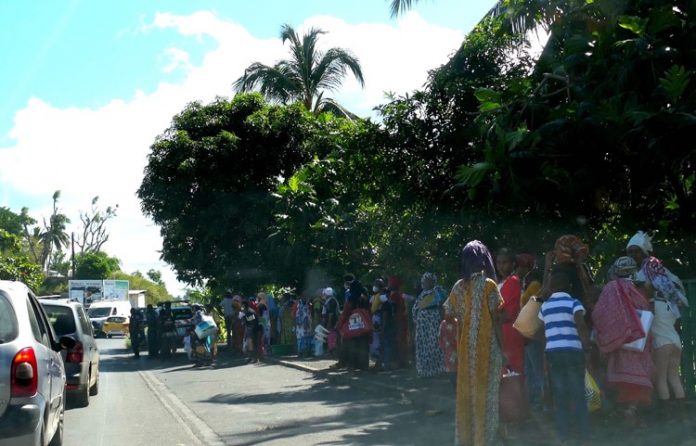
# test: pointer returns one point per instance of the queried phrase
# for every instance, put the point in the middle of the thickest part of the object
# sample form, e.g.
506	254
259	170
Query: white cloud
102	151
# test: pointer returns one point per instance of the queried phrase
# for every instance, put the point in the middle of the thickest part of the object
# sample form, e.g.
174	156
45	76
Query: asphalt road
154	402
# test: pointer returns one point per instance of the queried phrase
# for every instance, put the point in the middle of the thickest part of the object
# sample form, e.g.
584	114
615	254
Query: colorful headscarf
476	258
432	297
624	267
641	240
394	282
429	277
570	249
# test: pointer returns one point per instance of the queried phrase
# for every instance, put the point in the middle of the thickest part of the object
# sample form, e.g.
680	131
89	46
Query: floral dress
426	315
480	360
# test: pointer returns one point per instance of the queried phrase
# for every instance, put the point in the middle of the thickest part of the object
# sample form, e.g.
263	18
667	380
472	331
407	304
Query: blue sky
87	85
84	53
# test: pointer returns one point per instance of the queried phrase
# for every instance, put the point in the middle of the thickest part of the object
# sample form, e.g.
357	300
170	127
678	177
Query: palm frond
275	83
399	7
332	68
330	105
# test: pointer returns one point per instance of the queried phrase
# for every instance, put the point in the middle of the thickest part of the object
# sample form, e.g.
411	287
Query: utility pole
72	257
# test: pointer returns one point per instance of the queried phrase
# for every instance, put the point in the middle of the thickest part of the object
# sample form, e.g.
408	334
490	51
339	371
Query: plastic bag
593	396
187	347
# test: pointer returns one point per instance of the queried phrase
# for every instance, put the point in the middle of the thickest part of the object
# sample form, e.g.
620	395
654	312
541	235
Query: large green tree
306	76
96	265
210	180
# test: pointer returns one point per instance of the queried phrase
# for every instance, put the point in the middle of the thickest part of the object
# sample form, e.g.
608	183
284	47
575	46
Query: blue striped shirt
558	315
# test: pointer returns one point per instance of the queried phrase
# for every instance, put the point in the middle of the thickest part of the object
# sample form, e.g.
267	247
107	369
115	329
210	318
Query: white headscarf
641	240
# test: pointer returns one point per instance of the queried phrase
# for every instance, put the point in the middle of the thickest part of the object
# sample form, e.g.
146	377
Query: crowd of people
559	332
550	327
513	335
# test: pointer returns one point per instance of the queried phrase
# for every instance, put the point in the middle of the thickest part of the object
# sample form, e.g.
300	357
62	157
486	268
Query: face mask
375	289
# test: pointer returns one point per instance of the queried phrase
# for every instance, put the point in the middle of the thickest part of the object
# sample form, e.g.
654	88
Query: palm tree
524	15
305	76
55	234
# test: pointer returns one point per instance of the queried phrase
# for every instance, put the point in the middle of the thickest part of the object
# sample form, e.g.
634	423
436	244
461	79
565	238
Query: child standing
567	341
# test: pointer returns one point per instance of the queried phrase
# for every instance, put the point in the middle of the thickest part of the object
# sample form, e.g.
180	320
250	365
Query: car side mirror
66	342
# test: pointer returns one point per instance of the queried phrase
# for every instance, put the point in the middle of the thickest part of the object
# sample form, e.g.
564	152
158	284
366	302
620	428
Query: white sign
86	291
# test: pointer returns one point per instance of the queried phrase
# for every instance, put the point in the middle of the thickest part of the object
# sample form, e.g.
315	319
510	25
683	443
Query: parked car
32	375
99	311
115	325
182	314
81	361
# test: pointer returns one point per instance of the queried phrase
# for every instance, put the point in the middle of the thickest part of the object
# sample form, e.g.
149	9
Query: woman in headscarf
303	327
667	293
616	323
400	313
474	301
238	326
511	292
533	348
380	294
286	321
666	285
427	313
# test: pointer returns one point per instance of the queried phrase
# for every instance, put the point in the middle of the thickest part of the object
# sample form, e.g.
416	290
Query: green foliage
10	222
155	276
95	265
19	268
500	145
675	82
210	179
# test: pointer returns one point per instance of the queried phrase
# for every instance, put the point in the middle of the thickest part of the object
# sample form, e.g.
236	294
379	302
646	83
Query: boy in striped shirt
567	341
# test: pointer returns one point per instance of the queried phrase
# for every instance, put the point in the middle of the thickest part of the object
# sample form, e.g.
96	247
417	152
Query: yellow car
115	325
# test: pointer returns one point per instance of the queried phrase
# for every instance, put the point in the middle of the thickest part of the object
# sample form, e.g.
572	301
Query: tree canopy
503	144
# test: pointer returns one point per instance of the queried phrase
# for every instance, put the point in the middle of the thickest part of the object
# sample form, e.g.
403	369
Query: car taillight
75	354
25	379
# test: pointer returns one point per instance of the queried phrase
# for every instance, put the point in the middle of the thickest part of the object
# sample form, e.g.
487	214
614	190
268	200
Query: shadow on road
366	418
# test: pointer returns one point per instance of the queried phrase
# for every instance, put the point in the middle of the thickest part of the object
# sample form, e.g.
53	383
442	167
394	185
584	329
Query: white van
99	311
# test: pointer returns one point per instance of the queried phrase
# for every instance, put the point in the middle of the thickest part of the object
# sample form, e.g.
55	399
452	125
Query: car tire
82	399
108	336
57	439
94	390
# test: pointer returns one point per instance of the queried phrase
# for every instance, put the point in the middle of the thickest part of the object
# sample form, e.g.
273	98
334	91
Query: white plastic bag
187	347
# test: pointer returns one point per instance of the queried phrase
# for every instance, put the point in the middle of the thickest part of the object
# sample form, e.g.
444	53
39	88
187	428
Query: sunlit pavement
156	402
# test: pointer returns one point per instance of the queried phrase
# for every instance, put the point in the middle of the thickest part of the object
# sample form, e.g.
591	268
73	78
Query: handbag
513	403
528	322
359	323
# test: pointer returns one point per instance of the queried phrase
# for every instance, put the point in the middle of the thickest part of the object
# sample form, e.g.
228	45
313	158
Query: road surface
153	402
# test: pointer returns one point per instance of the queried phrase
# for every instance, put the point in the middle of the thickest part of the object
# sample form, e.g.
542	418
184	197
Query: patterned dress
426	315
303	328
472	302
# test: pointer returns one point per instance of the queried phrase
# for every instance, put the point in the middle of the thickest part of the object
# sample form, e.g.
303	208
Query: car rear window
62	319
99	312
182	313
116	319
8	321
